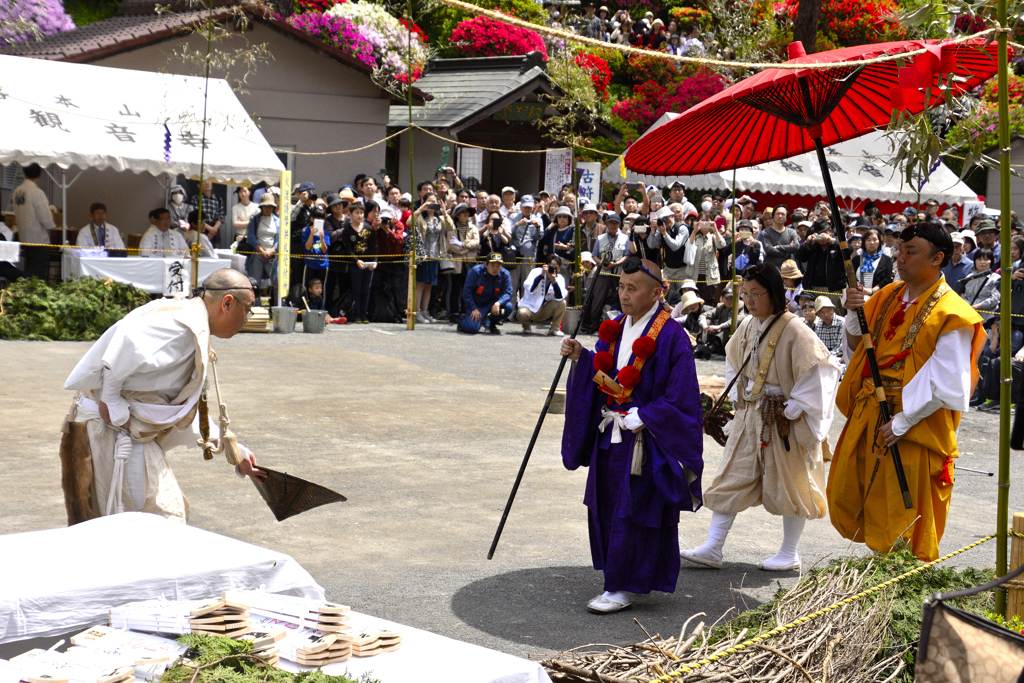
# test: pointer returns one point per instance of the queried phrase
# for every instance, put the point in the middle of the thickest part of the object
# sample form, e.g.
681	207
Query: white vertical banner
284	239
557	169
971	209
590	181
177	275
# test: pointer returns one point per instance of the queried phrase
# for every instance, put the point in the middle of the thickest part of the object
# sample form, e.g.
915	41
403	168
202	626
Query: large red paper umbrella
779	113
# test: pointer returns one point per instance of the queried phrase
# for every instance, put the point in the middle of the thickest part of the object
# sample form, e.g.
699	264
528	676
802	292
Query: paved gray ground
424	432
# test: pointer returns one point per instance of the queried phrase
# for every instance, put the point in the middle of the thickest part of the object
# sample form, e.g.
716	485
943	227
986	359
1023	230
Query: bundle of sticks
845	645
220	617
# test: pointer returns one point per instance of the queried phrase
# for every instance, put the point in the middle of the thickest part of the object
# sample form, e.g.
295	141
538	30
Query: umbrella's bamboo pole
735	279
869	347
1005	321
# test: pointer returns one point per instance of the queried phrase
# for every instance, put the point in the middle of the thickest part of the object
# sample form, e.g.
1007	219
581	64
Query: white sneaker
780	563
422	318
555	333
703	555
430	318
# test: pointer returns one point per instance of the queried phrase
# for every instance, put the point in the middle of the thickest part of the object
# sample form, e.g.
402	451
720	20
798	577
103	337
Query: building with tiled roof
309	97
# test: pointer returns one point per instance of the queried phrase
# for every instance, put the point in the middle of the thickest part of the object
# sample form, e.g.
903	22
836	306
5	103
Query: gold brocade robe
924	449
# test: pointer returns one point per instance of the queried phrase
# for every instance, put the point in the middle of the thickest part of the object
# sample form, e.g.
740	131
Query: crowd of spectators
620	28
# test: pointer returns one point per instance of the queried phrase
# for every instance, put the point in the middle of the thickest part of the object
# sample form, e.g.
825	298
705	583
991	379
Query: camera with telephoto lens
434	206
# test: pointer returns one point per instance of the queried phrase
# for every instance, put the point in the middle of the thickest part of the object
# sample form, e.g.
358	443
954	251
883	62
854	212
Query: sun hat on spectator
612	217
821	225
406	197
334	200
495	257
268	200
459	208
689	298
676	184
957	238
822	302
790	270
274	189
586	207
563	211
951	226
306	187
347	194
543	194
508	188
744	228
688	285
805	224
388	213
987	224
969	234
652	188
587	257
527	200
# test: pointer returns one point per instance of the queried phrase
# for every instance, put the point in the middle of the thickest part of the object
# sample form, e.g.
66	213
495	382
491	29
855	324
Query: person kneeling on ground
543	297
488	292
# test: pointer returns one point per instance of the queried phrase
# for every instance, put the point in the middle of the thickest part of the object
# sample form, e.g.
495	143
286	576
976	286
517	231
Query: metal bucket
284	318
314	322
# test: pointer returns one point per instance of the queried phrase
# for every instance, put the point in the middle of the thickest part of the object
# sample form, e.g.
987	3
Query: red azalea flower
609	331
603	361
643	347
628	377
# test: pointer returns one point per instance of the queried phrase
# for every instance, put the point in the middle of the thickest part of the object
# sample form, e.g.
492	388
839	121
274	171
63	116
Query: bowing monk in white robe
138	393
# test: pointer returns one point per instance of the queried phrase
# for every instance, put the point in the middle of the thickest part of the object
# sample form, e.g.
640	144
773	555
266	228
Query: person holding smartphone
702	256
432	221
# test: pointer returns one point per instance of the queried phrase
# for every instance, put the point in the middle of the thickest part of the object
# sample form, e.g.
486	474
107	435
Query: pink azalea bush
651	99
484	37
340	33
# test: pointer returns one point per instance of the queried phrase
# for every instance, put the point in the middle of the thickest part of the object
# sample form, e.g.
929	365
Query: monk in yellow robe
927	340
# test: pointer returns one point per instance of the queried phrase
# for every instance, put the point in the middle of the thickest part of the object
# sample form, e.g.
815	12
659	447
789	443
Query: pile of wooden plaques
372	642
329	648
151	655
259	320
221	617
265	644
77	665
319	615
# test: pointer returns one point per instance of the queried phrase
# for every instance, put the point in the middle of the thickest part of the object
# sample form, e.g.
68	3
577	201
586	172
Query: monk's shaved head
655	270
225	281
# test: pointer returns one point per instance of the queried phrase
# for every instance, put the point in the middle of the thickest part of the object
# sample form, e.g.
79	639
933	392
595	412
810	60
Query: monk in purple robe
633	416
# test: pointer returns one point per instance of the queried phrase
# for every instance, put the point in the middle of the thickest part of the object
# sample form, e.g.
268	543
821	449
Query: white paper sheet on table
148	274
10	251
61	580
426	657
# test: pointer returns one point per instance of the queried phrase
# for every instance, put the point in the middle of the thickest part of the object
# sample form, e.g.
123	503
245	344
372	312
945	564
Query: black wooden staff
869	346
543	414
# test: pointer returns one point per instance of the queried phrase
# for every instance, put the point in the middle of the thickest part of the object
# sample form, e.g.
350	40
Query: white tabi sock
711	551
787	558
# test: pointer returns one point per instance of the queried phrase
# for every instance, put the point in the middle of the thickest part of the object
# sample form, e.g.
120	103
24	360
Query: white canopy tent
861	169
94	117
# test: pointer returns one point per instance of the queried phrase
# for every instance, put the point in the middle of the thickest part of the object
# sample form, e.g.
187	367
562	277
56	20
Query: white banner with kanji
100	117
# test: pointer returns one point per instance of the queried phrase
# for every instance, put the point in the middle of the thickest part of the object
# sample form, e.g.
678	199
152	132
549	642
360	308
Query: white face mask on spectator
177	198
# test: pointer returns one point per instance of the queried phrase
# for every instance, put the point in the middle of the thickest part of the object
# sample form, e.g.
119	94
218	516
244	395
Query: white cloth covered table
60	580
237	260
145	273
429	658
10	251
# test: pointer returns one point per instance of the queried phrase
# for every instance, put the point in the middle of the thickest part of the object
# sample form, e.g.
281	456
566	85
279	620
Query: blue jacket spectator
487	293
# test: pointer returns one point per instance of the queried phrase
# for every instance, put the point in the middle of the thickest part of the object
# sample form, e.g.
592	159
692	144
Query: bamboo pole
735	279
1015	588
410	304
1003	501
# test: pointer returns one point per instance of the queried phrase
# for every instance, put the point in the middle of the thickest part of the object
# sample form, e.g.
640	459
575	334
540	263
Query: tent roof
861	169
100	117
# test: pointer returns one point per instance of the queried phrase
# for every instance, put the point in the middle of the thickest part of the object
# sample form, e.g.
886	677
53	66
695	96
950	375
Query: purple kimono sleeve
674	421
582	412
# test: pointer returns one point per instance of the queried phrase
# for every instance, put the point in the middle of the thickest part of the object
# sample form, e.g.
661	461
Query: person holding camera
432	221
543	298
645	240
825	269
494	235
527	230
701	257
613	249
